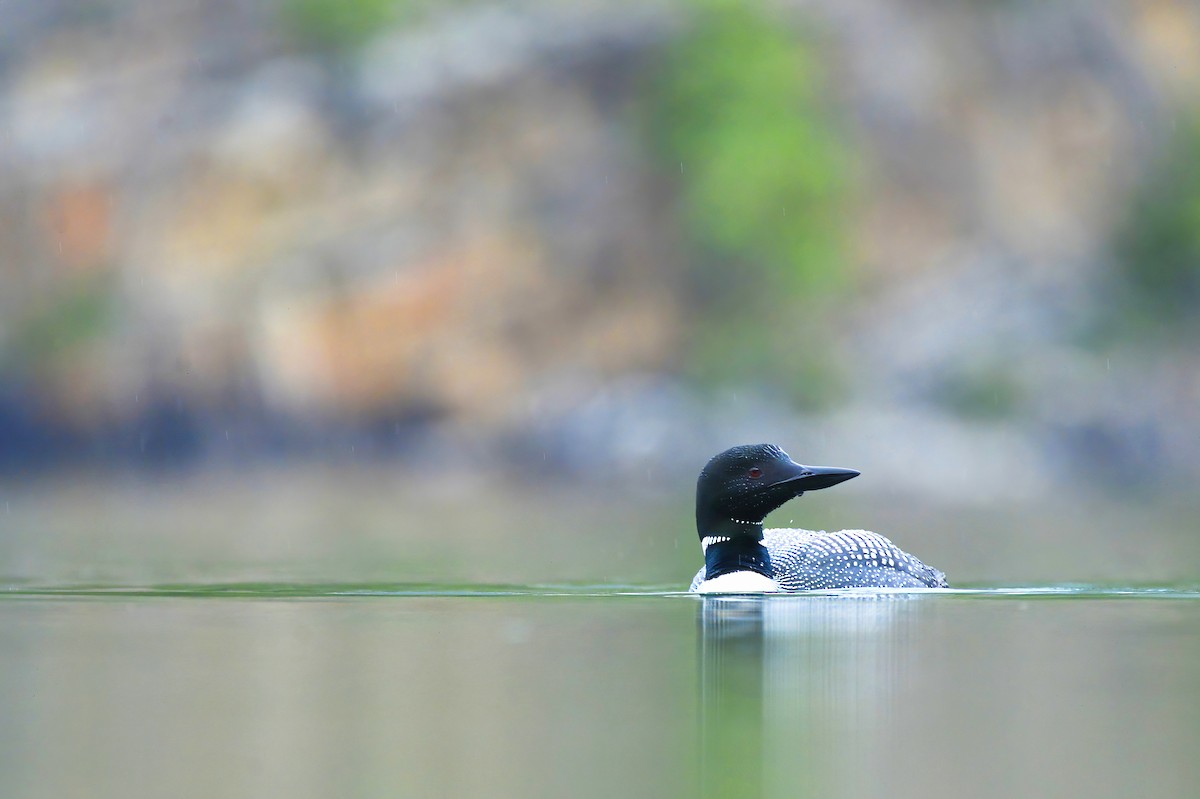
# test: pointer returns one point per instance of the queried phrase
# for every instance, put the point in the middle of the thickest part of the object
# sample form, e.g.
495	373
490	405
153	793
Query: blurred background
369	289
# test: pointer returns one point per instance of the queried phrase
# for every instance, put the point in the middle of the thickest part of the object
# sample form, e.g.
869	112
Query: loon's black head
740	486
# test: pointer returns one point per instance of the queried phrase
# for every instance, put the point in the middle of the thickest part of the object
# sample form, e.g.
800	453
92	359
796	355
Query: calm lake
121	676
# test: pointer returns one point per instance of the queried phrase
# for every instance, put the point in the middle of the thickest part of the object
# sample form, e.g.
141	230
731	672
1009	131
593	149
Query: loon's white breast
734	583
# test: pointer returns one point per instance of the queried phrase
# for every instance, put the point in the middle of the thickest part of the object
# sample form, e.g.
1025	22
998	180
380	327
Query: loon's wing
804	560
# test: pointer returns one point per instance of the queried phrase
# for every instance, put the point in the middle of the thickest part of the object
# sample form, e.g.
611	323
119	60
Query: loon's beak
811	478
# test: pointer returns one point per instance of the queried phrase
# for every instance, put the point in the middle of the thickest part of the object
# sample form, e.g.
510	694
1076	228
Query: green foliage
791	355
738	119
339	25
763	170
988	391
80	312
1159	246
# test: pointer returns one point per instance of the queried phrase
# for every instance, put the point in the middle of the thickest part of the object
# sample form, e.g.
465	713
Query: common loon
735	492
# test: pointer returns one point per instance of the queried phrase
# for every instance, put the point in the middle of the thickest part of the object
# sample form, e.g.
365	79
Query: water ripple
318	590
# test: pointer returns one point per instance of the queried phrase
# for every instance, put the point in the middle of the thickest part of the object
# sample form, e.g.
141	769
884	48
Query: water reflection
988	695
500	696
782	679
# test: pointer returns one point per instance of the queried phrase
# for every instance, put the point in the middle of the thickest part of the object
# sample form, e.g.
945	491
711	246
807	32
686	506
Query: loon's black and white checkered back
805	560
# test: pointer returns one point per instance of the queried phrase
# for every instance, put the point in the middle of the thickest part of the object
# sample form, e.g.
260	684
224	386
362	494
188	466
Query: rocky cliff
220	233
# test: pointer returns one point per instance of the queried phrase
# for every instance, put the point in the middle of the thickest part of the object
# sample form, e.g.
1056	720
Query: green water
332	633
318	690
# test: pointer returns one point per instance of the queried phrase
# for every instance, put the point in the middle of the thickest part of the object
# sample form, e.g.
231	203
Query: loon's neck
735	547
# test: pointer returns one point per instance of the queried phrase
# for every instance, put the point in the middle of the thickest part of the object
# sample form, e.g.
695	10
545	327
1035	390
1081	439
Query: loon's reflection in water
782	678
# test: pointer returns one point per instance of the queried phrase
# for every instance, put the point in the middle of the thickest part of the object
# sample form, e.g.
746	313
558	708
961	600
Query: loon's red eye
755	473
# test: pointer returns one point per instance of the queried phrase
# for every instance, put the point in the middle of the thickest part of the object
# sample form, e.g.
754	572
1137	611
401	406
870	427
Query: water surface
333	632
376	689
